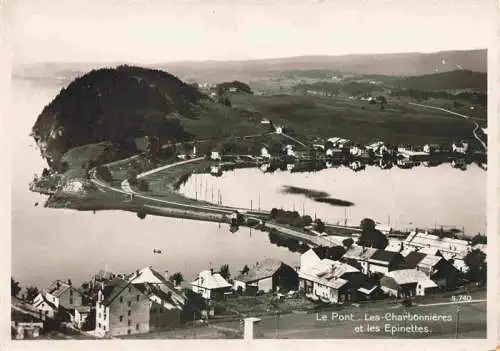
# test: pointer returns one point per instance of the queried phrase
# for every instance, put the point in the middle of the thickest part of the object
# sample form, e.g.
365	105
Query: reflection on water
401	193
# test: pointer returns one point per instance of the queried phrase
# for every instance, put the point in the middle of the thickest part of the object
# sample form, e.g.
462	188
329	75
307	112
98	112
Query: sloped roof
427	284
359	252
413	259
430	251
155	282
57	288
209	280
112	289
443	244
260	270
430	260
327	272
384	256
406	276
44	300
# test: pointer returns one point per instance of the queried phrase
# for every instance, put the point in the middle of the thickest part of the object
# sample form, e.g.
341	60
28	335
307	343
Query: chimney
58	284
165	275
69	282
211	271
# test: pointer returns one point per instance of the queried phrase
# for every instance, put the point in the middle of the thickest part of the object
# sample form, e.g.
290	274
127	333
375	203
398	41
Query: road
476	125
317	240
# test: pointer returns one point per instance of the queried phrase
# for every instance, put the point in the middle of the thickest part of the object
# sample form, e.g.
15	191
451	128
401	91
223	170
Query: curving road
476	125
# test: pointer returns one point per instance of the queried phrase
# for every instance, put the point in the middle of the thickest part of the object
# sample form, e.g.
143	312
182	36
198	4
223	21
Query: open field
312	116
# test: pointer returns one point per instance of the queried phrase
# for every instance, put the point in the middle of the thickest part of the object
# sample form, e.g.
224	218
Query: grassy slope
327	117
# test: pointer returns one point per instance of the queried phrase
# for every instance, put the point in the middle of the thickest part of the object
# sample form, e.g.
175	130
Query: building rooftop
384	256
359	252
260	270
407	276
209	280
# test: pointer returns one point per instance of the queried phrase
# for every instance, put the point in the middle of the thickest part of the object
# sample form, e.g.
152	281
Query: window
128	331
129	322
121	318
46	313
129	303
104	327
105	316
138	297
137	327
129	289
71	300
129	312
121	299
99	325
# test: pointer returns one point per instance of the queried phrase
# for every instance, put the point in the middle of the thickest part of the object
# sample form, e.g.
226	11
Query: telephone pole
457	322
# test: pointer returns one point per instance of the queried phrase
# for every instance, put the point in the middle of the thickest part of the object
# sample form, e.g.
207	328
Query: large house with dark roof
438	269
373	260
167	303
333	281
404	283
121	309
211	285
268	275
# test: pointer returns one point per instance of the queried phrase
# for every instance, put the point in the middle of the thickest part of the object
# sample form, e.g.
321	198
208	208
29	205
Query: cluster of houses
111	305
420	265
123	304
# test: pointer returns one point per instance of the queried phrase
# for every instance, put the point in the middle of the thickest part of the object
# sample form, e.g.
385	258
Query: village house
25	324
211	285
460	147
404	283
373	260
332	281
45	306
264	153
266	276
215	155
121	309
436	268
84	318
166	302
62	293
448	247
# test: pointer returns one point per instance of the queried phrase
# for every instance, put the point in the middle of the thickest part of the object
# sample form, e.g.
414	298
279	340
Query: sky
151	31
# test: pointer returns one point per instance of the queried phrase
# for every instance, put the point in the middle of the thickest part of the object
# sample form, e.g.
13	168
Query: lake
421	197
49	244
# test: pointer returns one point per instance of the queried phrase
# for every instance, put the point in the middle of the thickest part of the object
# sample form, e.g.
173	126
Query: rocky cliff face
114	105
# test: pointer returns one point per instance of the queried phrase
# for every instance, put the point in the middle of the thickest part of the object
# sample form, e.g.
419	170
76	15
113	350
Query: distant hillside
403	64
114	105
453	80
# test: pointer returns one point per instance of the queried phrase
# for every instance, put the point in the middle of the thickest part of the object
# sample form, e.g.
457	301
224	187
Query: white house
210	285
406	283
460	148
279	130
265	121
215	155
264	153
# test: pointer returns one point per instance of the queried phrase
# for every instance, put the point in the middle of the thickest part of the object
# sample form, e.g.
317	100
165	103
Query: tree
370	237
348	242
476	261
176	278
31	293
14	287
478	239
224	271
245	269
319	225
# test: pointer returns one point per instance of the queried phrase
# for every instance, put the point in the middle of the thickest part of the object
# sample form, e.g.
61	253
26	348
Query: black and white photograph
250	170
